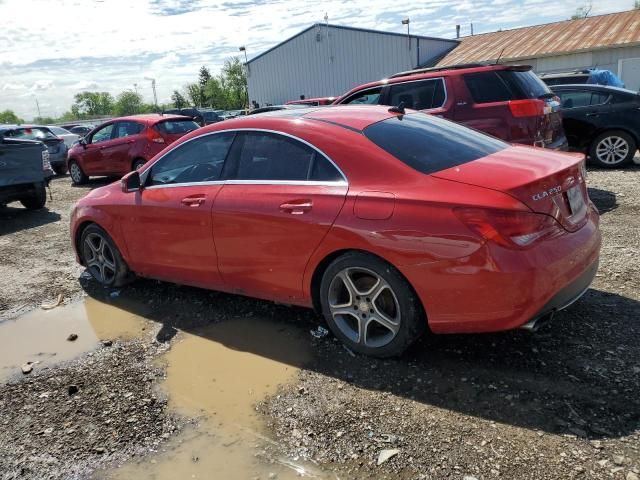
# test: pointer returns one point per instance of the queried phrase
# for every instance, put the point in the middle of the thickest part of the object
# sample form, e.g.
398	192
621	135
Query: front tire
77	175
37	200
101	257
613	149
369	305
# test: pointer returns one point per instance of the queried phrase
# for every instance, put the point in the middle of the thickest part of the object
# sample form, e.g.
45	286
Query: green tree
203	78
178	100
93	103
582	12
8	116
128	103
636	5
234	81
216	94
194	93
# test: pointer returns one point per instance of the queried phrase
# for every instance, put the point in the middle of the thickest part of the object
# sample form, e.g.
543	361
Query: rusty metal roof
569	36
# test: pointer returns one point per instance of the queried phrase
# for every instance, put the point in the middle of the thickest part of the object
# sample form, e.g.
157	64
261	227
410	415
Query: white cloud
114	45
14	86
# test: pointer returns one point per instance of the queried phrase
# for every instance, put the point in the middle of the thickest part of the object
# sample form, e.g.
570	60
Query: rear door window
127	129
581	98
173	127
197	160
430	144
365	97
487	87
269	156
419	95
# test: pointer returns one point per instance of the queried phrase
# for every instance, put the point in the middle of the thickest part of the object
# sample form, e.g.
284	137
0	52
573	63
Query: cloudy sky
51	50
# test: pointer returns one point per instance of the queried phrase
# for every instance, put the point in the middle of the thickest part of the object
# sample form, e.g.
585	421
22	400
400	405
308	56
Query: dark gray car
55	145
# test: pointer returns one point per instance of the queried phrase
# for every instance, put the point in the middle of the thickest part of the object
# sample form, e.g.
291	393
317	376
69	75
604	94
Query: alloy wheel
99	258
364	307
76	173
612	150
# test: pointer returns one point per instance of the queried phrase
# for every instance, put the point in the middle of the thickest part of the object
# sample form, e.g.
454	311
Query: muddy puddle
41	336
218	374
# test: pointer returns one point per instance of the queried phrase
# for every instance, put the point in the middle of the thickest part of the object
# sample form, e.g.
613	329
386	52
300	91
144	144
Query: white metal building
327	60
610	42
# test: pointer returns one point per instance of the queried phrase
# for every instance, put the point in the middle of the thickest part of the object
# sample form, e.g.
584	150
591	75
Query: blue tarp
605	77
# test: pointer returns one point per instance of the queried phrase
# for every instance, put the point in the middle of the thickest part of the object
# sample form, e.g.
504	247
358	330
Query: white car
68	137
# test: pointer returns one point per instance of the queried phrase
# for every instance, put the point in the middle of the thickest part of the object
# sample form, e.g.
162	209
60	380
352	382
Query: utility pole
406	22
135	87
38	107
153	87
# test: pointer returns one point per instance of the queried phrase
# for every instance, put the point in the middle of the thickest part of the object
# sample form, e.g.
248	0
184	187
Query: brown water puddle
218	374
41	336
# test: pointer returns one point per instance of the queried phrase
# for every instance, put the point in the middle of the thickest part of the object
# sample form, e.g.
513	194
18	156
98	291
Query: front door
584	112
117	157
92	157
168	229
279	200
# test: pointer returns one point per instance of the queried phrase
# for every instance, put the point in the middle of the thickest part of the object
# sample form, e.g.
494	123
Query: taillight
510	228
154	136
527	108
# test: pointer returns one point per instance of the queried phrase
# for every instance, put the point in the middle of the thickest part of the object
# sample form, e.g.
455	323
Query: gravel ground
563	403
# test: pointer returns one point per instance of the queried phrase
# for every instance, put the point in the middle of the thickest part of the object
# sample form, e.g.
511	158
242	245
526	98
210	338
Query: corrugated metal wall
328	61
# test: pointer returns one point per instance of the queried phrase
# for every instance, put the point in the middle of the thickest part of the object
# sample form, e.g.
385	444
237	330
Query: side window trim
343	181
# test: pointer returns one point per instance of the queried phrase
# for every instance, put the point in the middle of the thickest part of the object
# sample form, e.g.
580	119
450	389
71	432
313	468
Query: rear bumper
498	289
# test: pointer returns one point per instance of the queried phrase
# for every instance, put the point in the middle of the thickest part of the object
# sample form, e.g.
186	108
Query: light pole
246	75
153	87
406	22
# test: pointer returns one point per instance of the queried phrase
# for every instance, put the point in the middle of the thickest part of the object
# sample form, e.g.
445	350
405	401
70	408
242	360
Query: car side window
366	97
487	87
103	134
581	98
270	156
126	129
197	160
420	95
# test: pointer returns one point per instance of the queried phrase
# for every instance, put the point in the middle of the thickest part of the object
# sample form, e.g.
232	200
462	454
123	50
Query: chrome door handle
193	201
297	208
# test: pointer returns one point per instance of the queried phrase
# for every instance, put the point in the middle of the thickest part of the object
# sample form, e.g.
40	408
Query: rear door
118	153
168	228
584	112
280	198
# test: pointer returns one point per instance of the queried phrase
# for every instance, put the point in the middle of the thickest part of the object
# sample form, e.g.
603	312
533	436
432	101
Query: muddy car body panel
481	255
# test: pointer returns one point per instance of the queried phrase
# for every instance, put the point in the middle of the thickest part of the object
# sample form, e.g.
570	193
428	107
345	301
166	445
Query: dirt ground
562	403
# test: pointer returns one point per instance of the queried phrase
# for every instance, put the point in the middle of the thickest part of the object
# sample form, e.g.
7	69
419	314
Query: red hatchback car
507	101
387	223
124	144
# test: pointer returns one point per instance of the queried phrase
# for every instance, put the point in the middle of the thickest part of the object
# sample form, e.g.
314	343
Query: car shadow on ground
14	218
96	182
578	375
604	200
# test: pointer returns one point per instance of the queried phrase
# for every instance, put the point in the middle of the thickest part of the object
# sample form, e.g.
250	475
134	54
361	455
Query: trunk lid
547	182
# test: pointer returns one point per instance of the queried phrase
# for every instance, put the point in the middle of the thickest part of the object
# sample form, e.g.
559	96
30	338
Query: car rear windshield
35	133
430	144
504	85
177	126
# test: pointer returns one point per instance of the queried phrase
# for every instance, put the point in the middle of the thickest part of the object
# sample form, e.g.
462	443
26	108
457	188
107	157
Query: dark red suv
124	144
506	101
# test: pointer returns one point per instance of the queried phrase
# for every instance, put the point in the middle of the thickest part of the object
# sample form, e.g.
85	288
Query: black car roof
593	86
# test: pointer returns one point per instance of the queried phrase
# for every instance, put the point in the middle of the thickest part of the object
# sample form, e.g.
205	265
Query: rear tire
101	257
37	200
370	306
77	175
137	163
613	149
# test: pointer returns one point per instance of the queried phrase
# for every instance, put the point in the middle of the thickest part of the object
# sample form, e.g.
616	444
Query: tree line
226	91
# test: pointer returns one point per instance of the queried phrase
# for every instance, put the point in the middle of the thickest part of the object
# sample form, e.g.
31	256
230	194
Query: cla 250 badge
547	193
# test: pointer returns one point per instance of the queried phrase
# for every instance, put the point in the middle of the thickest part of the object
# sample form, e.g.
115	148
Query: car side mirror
131	182
82	141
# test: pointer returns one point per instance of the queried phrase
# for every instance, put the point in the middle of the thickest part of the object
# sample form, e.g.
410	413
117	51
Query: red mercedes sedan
123	144
387	222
